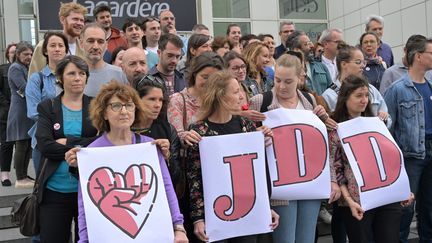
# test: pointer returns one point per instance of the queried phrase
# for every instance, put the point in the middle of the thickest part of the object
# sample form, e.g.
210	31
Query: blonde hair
250	53
289	61
99	104
215	91
67	8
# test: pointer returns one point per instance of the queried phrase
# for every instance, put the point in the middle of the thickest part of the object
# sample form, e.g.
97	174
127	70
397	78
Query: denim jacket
34	95
405	106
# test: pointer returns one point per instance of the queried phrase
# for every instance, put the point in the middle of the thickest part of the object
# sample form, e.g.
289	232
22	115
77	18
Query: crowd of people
97	86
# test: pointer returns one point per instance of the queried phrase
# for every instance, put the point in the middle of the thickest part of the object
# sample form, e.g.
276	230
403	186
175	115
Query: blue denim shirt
34	95
405	106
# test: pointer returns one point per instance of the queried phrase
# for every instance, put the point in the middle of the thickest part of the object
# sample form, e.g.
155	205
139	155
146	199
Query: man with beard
94	44
318	77
134	63
170	52
102	15
71	17
168	25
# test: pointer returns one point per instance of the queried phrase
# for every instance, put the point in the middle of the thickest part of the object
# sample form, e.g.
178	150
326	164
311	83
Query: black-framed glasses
117	106
237	68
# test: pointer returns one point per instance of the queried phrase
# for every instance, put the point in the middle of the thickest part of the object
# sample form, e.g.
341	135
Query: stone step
13	236
5	218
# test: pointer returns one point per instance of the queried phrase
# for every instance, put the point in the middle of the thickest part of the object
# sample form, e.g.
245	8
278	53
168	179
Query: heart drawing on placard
124	199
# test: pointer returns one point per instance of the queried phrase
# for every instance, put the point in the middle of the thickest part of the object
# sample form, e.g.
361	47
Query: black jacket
50	116
162	129
5	94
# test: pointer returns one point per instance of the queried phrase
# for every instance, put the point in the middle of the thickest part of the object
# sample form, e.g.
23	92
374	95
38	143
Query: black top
232	126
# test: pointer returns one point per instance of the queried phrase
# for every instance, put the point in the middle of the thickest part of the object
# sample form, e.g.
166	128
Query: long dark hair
349	85
144	84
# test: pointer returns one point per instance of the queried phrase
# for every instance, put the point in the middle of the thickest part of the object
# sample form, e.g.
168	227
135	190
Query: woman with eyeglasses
116	109
155	124
350	61
375	66
63	123
43	85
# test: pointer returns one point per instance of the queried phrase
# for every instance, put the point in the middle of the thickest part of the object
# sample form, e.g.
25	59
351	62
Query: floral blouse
344	173
176	109
193	166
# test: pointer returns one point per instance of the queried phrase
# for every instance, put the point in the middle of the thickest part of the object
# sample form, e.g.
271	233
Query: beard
70	30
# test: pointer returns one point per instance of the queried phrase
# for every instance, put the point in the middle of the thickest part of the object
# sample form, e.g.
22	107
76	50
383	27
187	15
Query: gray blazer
18	123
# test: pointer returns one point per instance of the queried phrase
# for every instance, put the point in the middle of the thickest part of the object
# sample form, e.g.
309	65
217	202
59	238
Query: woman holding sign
380	225
113	112
221	99
298	218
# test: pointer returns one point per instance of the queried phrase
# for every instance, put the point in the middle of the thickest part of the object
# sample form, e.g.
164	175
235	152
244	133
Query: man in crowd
102	15
410	106
285	29
94	44
152	33
134	64
134	35
330	38
375	23
71	17
168	25
396	71
318	78
169	52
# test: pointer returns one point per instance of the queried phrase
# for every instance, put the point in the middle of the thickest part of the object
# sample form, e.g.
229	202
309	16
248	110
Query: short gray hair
375	18
283	23
327	33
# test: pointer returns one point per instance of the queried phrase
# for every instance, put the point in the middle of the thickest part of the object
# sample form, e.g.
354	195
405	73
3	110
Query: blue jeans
297	223
420	178
36	157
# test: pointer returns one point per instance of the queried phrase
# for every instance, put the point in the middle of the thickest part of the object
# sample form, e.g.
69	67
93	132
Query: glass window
312	30
221	27
28	30
302	9
25	7
231	9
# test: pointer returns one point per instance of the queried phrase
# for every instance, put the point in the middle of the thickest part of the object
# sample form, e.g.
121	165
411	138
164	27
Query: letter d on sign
301	153
378	158
243	189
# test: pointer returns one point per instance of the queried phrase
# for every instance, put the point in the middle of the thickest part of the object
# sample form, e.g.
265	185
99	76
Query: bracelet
179	228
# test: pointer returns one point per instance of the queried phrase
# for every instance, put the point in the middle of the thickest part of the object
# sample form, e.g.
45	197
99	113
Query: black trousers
22	157
6	150
379	225
57	211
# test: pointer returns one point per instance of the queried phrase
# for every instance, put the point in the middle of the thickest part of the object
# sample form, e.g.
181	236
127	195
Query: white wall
402	19
11	23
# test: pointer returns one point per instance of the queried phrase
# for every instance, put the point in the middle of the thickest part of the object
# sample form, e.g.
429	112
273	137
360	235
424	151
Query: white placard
298	158
124	195
376	160
236	199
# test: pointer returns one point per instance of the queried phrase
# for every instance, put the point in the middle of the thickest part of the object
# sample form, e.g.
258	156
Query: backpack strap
307	96
267	100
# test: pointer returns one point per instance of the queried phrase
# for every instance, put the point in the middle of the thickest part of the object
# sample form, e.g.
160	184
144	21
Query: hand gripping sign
124	194
298	158
376	161
235	187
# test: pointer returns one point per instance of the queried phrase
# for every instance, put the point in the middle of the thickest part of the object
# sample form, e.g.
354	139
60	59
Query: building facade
19	19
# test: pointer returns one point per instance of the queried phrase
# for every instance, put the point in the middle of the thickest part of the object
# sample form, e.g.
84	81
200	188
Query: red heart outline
114	194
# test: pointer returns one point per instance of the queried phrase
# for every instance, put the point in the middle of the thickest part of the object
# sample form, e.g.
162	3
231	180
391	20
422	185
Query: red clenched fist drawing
124	199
